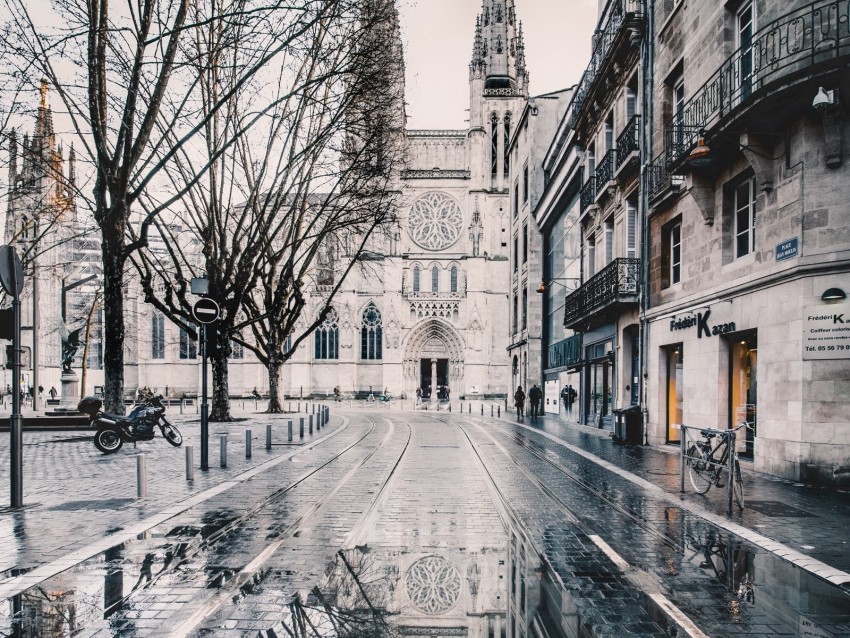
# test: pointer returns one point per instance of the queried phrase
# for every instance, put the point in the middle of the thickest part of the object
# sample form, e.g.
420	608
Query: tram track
644	581
253	570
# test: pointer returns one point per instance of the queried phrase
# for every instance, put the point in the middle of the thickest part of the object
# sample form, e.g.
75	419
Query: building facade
749	230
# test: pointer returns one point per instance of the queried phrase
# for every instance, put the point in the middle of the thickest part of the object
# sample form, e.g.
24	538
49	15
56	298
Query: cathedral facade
428	311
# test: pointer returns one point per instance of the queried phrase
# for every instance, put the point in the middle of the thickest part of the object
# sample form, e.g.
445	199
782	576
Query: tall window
157	335
188	345
516	197
507	141
524	243
435	279
416	279
631	229
591	256
676	253
516	313
745	44
591	160
631	102
609	131
327	337
371	337
454	279
679	110
237	350
609	240
525	184
745	218
524	308
516	254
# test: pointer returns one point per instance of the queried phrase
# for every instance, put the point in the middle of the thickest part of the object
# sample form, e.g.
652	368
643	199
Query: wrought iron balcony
624	14
588	193
629	141
605	170
809	38
605	295
660	180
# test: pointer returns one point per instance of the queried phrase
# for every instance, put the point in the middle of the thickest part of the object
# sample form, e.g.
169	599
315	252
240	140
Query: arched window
435	279
416	279
454	278
327	337
371	334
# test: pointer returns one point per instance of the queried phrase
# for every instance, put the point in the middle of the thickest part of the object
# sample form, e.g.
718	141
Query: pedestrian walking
52	392
535	395
519	402
255	394
418	396
40	391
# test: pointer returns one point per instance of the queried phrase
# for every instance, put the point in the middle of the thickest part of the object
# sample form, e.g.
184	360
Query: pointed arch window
371	335
507	167
454	278
494	144
327	337
416	279
435	279
157	335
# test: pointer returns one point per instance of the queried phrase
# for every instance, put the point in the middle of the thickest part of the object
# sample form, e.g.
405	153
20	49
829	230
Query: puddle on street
374	591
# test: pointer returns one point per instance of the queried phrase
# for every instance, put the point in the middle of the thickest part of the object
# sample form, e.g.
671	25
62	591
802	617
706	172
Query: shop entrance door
742	369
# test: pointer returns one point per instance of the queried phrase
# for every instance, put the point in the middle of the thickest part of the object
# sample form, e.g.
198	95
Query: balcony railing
629	140
811	35
617	283
588	193
623	13
659	178
605	169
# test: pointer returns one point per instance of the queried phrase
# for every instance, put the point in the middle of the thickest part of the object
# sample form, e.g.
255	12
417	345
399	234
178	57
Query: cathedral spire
498	51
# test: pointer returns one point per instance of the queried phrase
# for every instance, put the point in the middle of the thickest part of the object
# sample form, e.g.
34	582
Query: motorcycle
140	425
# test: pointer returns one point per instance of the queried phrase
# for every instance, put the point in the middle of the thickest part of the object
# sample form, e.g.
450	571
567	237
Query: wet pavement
393	522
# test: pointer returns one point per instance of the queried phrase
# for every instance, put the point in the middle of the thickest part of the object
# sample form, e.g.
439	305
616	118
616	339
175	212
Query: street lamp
542	287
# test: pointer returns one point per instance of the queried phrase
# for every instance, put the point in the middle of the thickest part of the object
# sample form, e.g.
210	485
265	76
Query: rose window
436	221
433	585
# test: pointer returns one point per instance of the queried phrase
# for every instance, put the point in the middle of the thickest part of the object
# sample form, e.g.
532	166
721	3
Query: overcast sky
438	36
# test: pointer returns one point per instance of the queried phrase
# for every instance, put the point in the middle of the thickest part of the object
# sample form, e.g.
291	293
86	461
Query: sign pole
16	420
205	465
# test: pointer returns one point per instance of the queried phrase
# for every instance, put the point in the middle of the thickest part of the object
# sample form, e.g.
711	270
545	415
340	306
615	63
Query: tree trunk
113	305
219	351
274	367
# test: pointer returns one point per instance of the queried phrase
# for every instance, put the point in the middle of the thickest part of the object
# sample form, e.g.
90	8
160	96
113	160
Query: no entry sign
205	310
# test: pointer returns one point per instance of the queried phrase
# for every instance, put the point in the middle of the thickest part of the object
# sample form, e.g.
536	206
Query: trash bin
628	426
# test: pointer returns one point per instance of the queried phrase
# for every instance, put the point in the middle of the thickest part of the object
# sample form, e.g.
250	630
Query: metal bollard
247	444
289	431
311	423
190	463
223	444
141	477
314	408
491	409
450	407
499	411
197	403
301	428
289	406
482	409
268	436
243	405
181	406
299	406
468	408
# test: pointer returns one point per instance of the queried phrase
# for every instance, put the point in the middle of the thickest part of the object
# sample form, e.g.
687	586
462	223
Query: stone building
60	263
749	230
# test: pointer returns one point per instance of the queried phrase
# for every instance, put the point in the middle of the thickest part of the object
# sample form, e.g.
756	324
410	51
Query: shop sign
703	327
786	249
826	331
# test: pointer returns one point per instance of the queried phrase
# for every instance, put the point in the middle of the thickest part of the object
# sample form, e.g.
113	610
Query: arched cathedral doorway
433	361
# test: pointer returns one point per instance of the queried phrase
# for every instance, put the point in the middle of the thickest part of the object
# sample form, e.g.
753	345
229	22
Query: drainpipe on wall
646	83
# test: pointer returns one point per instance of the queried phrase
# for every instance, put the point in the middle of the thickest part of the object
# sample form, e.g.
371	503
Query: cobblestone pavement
449	521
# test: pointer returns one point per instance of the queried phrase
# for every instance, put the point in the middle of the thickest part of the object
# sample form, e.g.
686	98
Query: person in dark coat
519	402
535	396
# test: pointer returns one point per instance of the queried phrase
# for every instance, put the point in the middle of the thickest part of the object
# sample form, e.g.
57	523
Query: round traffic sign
205	310
11	271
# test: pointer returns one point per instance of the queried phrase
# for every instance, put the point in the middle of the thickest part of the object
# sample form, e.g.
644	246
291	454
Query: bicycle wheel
738	485
699	470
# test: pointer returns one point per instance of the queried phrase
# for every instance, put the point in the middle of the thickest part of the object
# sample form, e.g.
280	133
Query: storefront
597	392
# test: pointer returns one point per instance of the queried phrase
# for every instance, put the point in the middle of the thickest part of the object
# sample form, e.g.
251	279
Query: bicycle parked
707	461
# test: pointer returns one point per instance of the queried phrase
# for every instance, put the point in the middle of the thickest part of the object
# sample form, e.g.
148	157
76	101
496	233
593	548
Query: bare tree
127	77
316	164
